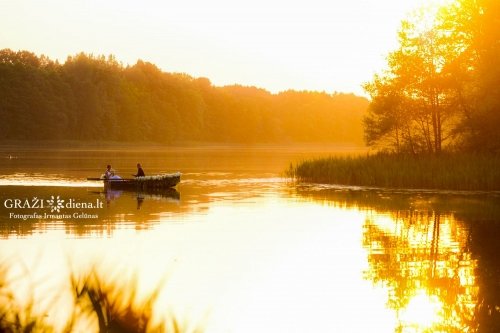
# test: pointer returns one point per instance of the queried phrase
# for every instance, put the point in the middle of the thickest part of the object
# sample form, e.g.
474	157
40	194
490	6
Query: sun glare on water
422	312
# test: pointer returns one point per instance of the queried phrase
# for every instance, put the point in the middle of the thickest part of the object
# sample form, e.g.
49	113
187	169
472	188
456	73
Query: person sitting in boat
114	176
107	173
140	172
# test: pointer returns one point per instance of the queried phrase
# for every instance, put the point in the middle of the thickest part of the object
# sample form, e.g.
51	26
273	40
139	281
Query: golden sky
328	45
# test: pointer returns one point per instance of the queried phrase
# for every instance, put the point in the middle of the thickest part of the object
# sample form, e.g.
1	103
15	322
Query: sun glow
22	179
423	311
277	45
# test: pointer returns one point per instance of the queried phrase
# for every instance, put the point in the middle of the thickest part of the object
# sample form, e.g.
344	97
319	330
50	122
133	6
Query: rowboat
147	183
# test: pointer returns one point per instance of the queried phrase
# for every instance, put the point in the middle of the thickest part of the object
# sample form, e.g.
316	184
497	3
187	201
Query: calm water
237	248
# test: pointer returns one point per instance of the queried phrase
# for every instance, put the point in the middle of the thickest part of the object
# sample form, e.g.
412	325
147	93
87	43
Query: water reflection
40	179
120	209
423	260
167	195
435	254
242	250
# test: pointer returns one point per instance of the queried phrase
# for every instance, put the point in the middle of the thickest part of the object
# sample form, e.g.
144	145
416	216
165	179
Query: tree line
441	89
97	98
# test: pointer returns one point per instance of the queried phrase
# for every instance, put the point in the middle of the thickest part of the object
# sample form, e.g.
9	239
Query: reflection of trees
411	251
470	205
484	243
415	243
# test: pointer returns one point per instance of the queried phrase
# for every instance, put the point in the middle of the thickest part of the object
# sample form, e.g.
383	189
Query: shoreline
342	147
448	171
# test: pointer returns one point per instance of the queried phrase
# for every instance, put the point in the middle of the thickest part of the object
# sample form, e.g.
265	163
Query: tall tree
441	88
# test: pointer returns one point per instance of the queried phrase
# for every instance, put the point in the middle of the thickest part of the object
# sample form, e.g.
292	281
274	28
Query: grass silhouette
105	304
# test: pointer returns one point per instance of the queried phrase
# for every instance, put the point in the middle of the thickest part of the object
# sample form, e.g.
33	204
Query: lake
236	247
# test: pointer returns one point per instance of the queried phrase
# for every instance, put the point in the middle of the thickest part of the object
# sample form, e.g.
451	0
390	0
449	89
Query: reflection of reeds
116	307
445	171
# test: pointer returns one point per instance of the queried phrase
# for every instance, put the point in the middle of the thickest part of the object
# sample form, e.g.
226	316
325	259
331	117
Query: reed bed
449	171
108	305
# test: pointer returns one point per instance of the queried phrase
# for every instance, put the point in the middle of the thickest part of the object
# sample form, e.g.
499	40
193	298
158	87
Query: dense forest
441	90
96	98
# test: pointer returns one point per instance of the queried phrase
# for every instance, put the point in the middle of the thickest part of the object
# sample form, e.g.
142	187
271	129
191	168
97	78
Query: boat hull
150	183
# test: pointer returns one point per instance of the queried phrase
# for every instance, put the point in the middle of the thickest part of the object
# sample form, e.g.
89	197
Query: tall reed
113	306
452	171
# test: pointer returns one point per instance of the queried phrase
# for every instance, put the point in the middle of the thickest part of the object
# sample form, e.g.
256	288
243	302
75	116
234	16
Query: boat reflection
166	194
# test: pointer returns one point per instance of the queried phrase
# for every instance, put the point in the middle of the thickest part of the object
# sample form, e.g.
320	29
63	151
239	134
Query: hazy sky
326	45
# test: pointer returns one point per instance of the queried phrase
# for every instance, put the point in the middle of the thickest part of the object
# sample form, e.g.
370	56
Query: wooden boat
147	183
